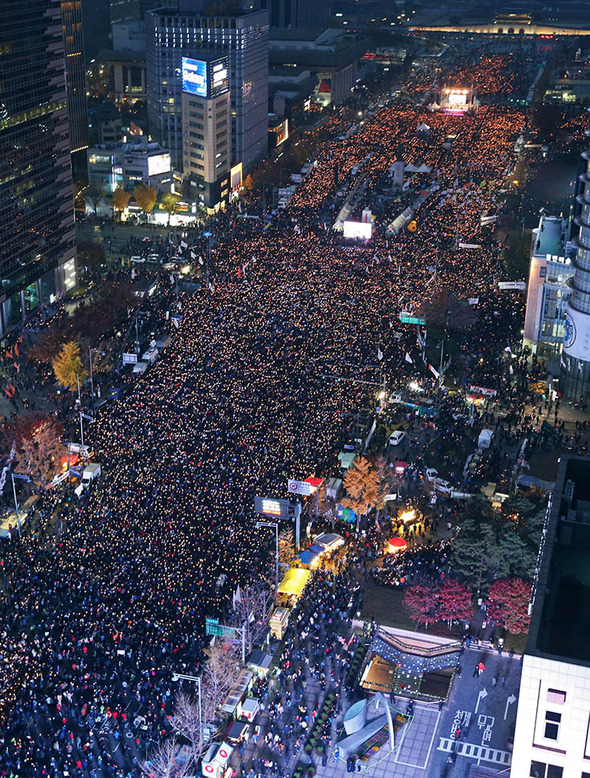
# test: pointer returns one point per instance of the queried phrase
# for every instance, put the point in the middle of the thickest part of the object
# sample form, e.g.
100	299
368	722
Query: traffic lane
482	706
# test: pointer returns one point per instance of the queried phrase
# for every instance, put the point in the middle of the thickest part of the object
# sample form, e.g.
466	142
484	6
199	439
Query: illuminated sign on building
194	77
159	164
204	79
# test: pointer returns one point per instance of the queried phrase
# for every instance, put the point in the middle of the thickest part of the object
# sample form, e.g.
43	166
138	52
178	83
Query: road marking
509	702
481	696
409	764
473	751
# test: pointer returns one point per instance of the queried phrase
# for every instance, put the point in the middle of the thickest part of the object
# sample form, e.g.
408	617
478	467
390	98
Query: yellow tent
294	581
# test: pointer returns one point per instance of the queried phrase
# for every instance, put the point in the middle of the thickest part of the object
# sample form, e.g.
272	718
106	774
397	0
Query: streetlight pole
208	235
91	374
26	478
276	529
195	679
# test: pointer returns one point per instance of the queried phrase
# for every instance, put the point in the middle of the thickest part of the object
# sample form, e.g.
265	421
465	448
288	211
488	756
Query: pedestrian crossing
473	751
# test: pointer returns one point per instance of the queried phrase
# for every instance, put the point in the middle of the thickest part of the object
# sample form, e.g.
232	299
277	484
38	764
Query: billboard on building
205	78
218	79
358	230
194	77
159	164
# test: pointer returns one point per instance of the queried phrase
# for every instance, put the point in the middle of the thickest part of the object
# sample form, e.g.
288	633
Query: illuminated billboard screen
159	164
357	230
194	77
218	83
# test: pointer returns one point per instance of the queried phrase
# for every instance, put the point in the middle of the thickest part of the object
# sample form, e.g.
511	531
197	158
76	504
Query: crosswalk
473	751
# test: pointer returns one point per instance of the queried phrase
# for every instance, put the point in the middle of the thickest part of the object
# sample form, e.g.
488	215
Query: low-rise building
111	165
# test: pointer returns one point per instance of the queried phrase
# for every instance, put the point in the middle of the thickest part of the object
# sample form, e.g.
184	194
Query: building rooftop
560	624
551	236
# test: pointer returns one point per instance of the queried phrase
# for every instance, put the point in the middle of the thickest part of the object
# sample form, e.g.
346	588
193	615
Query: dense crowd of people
252	391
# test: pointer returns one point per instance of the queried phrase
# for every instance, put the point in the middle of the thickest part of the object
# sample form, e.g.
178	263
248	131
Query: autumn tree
170	203
94	194
120	201
39	450
362	487
249	183
90	254
68	367
508	604
455	601
422	604
145	197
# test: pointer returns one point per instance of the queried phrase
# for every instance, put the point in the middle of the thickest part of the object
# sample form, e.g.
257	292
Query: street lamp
195	679
21	478
90	350
208	235
276	528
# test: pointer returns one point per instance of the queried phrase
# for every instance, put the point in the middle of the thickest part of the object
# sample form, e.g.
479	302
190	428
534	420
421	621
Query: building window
555	696
552	721
554	771
538	769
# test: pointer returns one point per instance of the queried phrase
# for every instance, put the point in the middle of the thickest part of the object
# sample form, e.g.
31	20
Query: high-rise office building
37	249
206	129
552	735
298	14
130	10
71	12
575	378
189	32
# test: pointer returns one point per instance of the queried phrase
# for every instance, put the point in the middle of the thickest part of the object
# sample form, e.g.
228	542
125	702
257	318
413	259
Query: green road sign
407	318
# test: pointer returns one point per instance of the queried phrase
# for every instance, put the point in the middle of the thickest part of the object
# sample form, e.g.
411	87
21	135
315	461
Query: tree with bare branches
168	760
286	546
251	609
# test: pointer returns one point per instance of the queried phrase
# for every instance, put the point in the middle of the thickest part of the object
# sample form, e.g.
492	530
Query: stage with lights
457	100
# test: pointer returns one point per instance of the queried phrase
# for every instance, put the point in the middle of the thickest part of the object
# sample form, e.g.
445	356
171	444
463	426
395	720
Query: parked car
396	437
431	474
442	486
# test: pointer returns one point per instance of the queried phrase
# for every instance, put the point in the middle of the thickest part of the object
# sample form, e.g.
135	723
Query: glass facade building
575	379
37	248
75	73
243	37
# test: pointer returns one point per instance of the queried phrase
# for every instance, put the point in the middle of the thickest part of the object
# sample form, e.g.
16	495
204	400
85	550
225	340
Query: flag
211	287
237	596
409	359
183	244
239	272
176	323
193	255
379	354
434	371
16	351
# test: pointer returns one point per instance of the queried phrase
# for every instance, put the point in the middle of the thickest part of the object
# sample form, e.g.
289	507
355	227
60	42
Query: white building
111	165
548	290
552	736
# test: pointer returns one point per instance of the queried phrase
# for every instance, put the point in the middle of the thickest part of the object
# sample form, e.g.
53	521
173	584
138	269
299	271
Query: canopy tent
307	557
294	581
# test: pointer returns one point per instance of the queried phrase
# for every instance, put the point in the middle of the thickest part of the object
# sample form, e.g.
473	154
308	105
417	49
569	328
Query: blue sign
194	77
